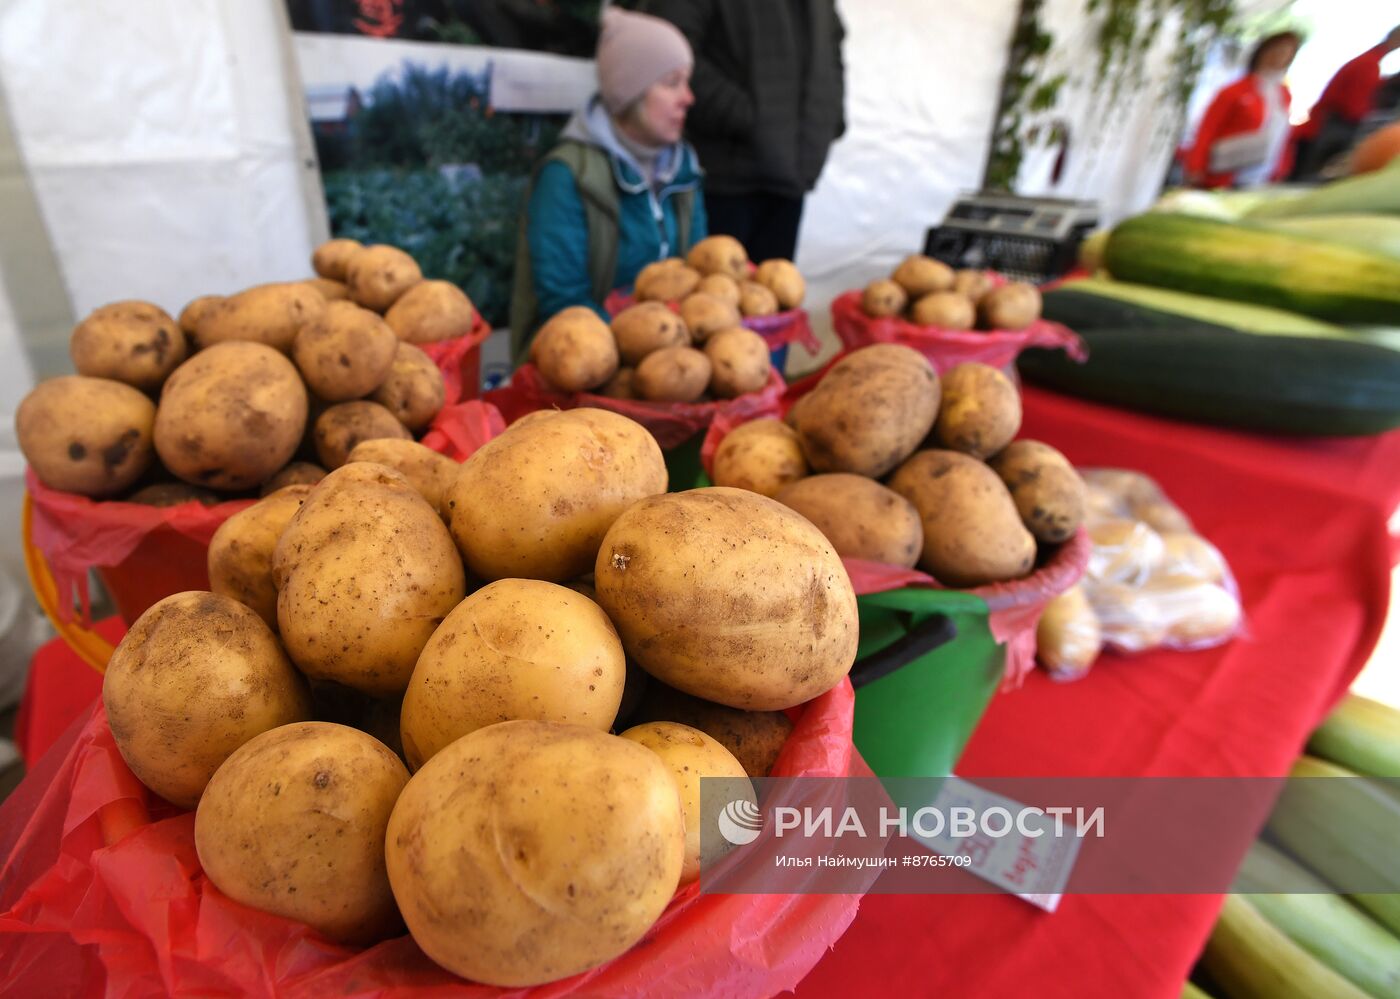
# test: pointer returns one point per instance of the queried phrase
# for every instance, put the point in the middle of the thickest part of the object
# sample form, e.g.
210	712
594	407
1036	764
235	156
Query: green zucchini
1374	233
1378	191
1251	264
1236	315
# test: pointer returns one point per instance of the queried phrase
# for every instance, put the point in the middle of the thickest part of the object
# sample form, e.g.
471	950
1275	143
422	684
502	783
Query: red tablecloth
1303	528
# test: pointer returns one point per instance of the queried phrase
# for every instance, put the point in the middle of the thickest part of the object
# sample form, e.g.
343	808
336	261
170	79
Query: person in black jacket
769	101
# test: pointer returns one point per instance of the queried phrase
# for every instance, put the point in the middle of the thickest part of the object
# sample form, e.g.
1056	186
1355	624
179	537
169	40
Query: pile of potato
695	352
895	465
270	386
930	293
398	704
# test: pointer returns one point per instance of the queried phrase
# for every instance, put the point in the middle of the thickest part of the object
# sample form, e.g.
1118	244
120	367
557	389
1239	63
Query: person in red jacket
1348	98
1243	140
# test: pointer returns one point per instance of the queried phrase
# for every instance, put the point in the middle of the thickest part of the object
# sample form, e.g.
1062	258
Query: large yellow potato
947	310
672	374
511	887
231	416
972	532
757	300
730	596
431	311
413	390
980	412
345	352
536	501
516	648
1013	306
666	281
919	275
719	255
883	297
870	411
293	823
741	362
365	571
240	553
762	456
860	517
132	342
432	474
1048	492
784	280
756	738
342	427
377	275
690	754
575	350
197	676
86	435
721	286
646	327
332	257
269	314
705	314
192	313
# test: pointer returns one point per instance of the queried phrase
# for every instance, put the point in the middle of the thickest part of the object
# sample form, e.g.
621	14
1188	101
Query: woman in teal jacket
621	189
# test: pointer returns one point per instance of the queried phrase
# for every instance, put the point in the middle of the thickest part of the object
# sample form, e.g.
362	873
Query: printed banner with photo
429	116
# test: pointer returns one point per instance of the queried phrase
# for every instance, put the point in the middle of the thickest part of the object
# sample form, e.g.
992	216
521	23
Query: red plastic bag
459	360
457	431
671	423
778	330
947	348
102	892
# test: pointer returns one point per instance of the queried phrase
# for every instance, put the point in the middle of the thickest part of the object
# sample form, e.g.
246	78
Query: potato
756	300
240	553
331	291
86	435
919	275
268	314
945	309
132	342
575	350
972	532
712	590
366	571
1048	492
784	280
646	327
721	286
1013	306
860	517
1068	637
740	360
1189	556
231	416
1162	514
673	374
517	889
430	473
1125	551
665	281
870	411
296	473
343	426
761	456
719	255
972	283
883	298
413	390
431	311
332	258
516	648
293	824
689	755
180	703
756	738
344	353
378	275
167	494
1196	612
620	386
536	501
704	314
980	412
192	313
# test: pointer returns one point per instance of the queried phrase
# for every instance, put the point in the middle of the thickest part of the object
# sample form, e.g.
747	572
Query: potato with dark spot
944	309
972	532
919	275
344	353
756	738
296	473
647	327
719	255
519	889
980	412
673	374
575	350
536	501
762	456
869	412
516	648
730	596
240	553
721	286
860	517
413	390
331	291
378	275
741	362
197	676
132	342
268	314
1049	494
432	474
704	314
431	311
757	300
293	824
365	572
332	258
230	416
883	298
665	281
86	435
342	426
192	313
784	280
167	494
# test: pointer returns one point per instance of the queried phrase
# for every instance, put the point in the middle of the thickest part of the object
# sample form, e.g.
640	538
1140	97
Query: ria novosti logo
740	822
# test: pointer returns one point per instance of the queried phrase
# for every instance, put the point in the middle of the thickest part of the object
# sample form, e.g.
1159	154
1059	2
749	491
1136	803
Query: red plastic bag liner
102	892
946	348
778	330
457	431
671	423
459	360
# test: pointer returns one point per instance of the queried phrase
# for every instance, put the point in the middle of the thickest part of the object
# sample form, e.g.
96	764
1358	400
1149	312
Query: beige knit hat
634	51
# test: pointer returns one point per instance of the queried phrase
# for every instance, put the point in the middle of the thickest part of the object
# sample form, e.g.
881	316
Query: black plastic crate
1032	239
